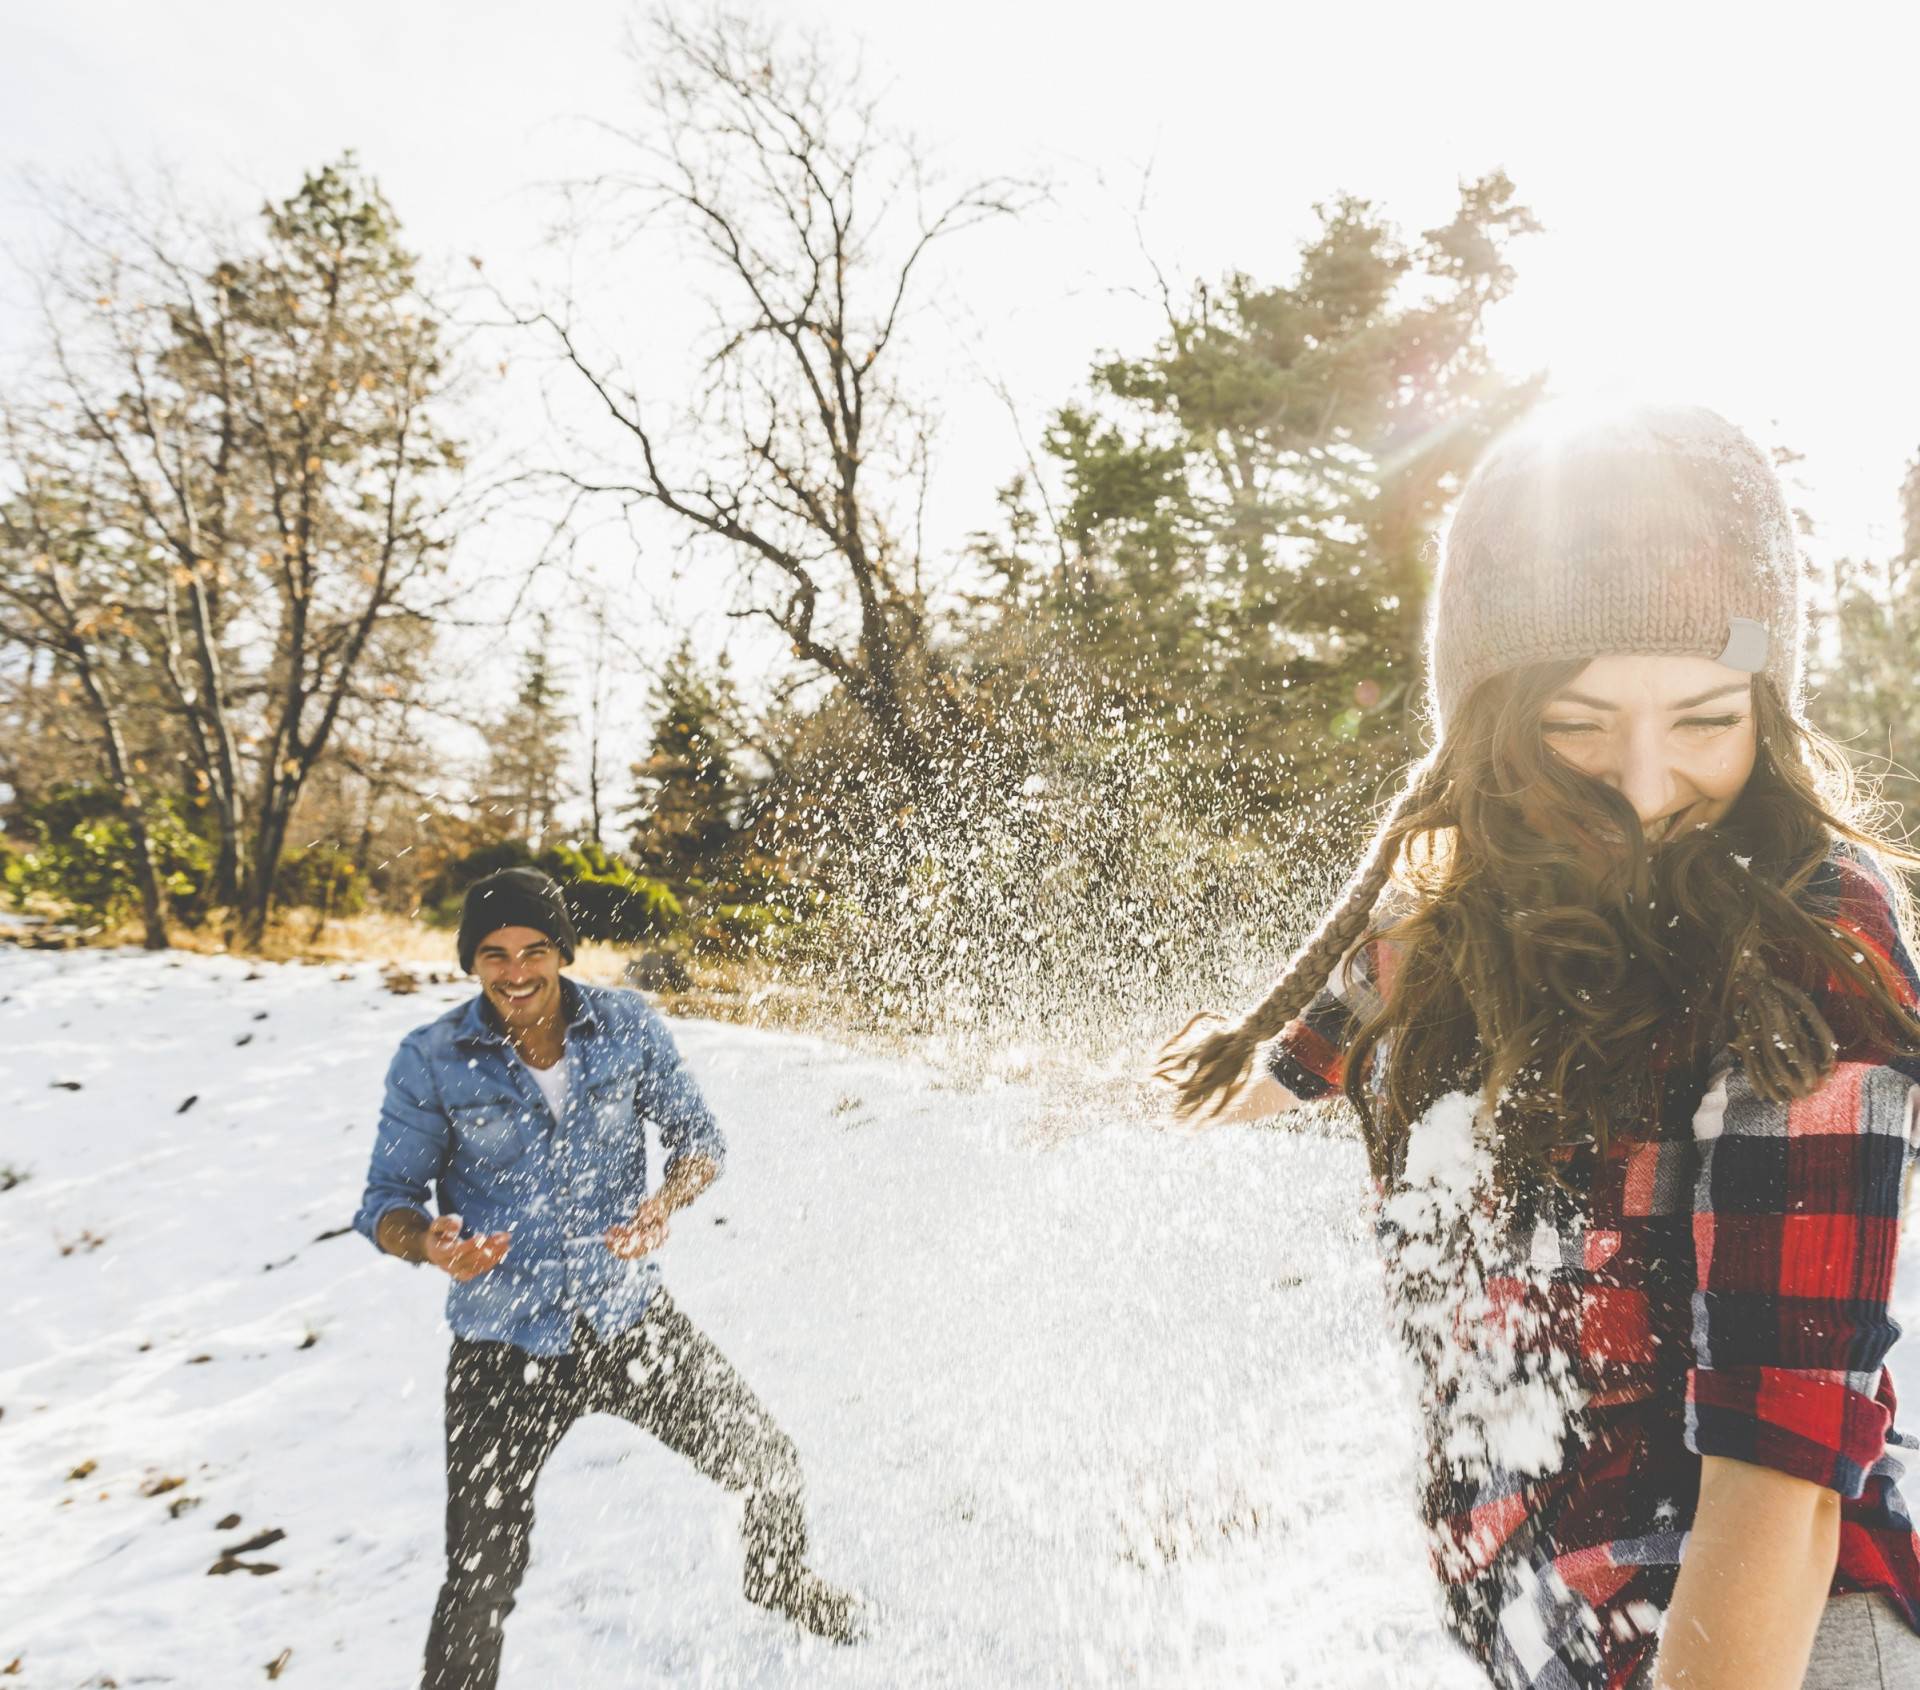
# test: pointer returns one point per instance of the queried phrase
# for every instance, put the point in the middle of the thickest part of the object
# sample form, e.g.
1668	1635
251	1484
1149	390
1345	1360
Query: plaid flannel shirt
1722	1290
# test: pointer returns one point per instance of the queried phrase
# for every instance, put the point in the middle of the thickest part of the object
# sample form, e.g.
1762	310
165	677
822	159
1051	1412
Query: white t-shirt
551	1081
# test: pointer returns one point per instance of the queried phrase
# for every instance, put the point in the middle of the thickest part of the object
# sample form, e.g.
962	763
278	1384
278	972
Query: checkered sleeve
1796	1219
1309	1055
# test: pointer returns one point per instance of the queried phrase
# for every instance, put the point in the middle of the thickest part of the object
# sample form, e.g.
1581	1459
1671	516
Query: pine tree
1243	546
692	790
1866	680
523	787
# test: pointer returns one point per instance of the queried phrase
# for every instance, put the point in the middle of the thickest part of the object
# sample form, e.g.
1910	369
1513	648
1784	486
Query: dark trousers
507	1411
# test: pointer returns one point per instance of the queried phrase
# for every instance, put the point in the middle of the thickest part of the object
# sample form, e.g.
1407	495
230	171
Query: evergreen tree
692	792
1866	678
527	747
1242	555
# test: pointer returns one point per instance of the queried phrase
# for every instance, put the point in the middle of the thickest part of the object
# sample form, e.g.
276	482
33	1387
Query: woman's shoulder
1856	895
1363	977
1854	889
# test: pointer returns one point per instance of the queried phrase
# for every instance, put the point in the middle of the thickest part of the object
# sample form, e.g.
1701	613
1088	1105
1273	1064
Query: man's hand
463	1258
647	1231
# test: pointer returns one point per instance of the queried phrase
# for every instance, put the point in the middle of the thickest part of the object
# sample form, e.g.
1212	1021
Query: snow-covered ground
1109	1408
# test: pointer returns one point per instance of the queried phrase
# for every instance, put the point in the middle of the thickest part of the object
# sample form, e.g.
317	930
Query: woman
1621	996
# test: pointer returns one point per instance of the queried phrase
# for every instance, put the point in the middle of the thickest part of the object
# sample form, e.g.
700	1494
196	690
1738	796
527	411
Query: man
526	1106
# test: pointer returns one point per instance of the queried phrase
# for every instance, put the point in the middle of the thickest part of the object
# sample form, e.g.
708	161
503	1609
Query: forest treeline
1144	714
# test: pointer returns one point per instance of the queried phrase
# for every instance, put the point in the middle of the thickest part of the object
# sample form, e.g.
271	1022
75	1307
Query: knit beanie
1642	529
514	897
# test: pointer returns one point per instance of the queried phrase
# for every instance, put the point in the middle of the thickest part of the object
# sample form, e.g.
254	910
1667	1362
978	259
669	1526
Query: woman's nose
1647	782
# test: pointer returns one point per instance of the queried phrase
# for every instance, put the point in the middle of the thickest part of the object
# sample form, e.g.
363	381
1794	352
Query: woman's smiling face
1674	736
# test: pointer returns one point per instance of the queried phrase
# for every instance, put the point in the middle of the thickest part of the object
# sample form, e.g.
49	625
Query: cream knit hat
1641	529
1583	532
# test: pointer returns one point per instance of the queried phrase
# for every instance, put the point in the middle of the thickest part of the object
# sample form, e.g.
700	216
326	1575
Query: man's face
519	970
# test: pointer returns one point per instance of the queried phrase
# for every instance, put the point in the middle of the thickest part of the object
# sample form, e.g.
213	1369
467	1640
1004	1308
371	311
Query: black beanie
515	897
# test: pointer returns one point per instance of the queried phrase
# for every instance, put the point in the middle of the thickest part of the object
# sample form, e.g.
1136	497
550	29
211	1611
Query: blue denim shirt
463	1114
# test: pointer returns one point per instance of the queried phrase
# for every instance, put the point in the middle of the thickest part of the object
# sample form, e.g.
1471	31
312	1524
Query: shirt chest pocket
490	1136
608	1109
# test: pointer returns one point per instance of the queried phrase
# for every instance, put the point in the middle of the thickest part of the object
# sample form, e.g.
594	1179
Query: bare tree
802	455
257	420
63	582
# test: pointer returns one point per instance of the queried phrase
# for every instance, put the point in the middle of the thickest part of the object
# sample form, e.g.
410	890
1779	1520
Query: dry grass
379	937
720	988
724	988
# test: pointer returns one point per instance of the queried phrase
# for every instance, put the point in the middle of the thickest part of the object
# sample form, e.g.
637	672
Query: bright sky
1727	199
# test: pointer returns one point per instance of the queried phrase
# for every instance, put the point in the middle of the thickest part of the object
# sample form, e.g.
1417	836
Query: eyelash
1577	728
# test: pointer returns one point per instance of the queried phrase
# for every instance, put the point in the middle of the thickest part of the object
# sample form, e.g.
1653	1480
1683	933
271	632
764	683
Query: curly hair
1552	963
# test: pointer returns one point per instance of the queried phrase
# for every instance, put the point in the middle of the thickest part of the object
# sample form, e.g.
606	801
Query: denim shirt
463	1114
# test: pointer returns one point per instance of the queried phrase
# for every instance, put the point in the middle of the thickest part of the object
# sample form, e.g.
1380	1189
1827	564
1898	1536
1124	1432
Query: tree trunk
326	909
153	908
271	841
153	901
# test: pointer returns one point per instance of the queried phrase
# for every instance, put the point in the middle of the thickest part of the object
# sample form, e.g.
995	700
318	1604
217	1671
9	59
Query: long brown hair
1551	963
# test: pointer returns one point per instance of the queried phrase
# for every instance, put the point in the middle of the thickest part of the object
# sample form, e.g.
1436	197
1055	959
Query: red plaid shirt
1723	1289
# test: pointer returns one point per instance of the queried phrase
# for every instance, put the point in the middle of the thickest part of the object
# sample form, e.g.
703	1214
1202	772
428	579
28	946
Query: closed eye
1576	728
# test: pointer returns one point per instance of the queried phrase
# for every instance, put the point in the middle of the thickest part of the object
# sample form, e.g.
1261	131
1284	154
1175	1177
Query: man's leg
502	1424
666	1376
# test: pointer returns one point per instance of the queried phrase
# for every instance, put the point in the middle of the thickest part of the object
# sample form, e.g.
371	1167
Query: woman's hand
1255	1096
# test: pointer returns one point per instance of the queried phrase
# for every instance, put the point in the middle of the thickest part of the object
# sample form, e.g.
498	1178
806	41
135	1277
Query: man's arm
669	1096
402	1232
1753	1581
408	1234
691	1175
409	1148
695	1148
647	1231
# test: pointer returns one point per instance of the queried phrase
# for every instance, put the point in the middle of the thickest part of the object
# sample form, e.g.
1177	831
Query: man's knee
487	1566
